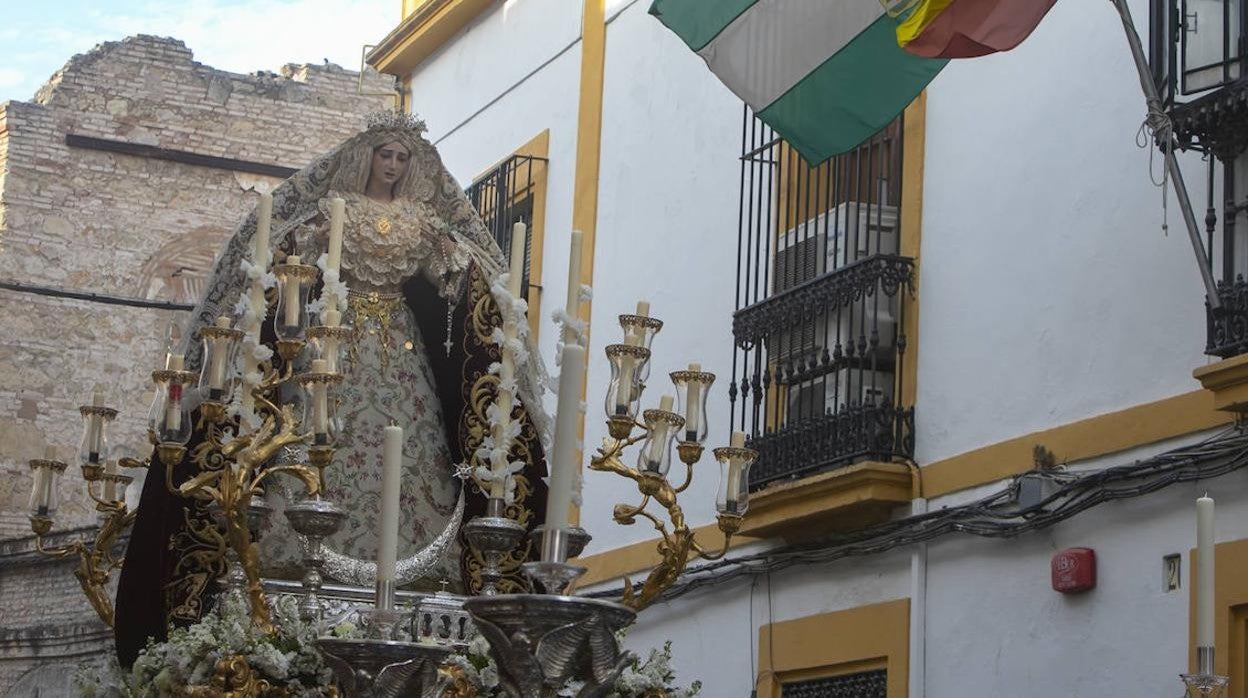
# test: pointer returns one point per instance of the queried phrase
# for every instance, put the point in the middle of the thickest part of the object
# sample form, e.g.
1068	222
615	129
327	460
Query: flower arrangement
649	678
287	660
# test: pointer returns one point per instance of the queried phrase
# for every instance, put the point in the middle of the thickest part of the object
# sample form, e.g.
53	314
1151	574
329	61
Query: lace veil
346	168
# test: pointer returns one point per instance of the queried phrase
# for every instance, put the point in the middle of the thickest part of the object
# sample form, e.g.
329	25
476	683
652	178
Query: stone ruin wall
125	225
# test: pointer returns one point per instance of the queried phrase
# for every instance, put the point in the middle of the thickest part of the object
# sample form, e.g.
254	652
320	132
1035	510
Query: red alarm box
1074	570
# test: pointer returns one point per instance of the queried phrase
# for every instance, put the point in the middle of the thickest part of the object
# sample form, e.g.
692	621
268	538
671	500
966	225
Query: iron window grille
862	684
820	298
503	197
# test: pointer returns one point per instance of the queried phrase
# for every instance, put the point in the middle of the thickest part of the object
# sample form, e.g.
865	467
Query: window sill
1228	381
845	499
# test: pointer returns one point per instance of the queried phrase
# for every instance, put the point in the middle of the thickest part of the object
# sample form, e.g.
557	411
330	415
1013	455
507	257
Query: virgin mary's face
389	164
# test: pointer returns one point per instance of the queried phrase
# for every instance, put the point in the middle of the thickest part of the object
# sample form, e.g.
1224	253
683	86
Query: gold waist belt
374	311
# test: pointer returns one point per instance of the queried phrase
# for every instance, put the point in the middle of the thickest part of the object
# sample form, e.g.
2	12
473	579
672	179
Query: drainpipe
918	611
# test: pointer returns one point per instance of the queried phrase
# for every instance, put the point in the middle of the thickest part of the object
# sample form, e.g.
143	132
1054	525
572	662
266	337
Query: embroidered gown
387	376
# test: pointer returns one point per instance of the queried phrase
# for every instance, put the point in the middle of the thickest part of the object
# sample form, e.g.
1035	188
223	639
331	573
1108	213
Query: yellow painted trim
1087	438
914	136
633	558
588	162
1228	381
426	29
848	498
835	643
1230	621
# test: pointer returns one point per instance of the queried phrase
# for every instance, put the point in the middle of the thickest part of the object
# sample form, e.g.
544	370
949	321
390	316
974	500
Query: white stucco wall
1049	292
667	216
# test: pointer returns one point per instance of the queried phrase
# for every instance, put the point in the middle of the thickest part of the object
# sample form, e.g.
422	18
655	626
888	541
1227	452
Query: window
819	329
514	191
1198	44
861	684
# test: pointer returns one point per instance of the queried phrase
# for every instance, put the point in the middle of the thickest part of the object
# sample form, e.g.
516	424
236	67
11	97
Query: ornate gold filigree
675	545
95	559
457	683
373	307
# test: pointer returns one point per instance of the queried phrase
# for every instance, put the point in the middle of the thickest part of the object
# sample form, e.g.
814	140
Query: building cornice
423	32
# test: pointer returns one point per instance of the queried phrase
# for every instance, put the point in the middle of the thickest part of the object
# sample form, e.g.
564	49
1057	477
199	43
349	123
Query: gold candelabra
95	558
684	424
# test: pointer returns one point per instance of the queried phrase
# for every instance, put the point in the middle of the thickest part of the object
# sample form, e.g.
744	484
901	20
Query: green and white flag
825	74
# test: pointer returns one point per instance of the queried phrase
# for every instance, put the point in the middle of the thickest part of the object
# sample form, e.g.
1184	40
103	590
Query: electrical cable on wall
994	516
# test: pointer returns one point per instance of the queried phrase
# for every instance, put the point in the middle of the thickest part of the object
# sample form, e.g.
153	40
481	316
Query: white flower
262	353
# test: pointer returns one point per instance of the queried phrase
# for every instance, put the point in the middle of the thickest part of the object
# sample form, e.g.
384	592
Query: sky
38	37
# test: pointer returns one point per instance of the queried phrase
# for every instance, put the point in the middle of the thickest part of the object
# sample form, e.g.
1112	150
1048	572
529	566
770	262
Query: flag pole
1160	124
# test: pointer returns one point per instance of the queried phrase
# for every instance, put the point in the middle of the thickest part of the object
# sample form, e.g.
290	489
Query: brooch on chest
382	226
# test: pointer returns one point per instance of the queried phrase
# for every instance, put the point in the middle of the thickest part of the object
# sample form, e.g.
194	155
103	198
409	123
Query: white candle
388	537
291	301
110	487
320	402
624	395
643	308
41	491
516	276
498	462
95	424
173	405
333	256
260	258
573	304
1204	572
216	369
693	405
658	439
738	439
333	318
563	462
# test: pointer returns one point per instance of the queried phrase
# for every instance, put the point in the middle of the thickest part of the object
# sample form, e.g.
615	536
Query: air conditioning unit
847	386
857	231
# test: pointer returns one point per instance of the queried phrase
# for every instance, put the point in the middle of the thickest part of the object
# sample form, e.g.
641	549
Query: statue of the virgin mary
423	299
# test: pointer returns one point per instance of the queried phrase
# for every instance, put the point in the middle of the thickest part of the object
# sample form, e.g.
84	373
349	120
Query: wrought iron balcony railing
821	299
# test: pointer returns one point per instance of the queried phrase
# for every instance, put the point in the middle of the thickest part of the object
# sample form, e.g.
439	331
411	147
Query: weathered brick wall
124	225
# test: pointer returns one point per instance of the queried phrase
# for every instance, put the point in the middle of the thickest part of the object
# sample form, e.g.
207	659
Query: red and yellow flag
969	28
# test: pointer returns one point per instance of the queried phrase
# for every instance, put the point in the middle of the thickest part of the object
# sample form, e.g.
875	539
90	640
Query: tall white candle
260	258
693	405
1204	572
504	401
291	301
563	463
333	255
573	304
388	537
516	277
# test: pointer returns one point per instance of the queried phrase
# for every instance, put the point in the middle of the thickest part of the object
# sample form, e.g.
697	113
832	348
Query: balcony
822	294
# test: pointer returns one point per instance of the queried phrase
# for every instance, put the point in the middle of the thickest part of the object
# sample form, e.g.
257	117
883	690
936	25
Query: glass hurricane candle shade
173	423
734	480
294	283
96	423
328	344
43	497
624	391
643	329
692	388
157	409
656	451
216	377
320	404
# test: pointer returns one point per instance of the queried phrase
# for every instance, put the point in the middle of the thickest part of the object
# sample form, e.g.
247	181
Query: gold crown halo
394	120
